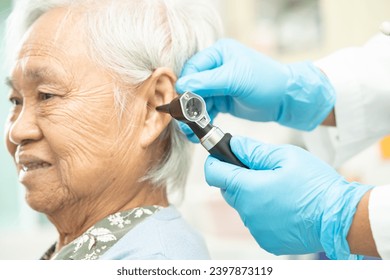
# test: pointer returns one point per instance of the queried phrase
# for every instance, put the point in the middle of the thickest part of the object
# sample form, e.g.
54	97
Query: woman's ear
159	90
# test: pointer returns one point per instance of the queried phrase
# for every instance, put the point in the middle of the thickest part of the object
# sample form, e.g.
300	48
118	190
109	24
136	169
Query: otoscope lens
194	108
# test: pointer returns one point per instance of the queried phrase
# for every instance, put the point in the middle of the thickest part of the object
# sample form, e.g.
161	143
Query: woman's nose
25	128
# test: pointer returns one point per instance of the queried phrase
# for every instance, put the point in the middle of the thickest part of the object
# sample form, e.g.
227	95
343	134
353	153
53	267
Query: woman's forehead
54	49
56	33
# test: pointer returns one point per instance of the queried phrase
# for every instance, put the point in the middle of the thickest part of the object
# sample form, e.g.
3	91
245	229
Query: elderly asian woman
90	149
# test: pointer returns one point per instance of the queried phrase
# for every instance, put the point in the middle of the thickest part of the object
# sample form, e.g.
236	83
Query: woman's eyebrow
9	82
37	75
41	74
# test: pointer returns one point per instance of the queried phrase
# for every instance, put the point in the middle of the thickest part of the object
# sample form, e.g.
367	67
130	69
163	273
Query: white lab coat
361	77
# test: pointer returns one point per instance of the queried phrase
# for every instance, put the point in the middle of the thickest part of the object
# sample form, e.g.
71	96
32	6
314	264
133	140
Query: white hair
132	38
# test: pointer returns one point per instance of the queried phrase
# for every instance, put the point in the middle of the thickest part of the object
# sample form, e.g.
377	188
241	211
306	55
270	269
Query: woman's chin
43	202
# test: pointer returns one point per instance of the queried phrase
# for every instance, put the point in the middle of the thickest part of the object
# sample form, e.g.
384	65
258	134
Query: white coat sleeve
378	211
361	78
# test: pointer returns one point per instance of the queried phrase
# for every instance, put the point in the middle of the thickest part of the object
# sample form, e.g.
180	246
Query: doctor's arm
359	76
360	238
330	119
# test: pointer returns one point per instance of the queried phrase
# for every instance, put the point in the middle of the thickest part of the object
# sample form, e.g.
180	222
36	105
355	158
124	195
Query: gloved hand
292	202
250	85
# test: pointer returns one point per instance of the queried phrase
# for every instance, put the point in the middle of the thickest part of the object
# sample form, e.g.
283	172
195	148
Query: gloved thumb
233	180
228	177
255	154
219	174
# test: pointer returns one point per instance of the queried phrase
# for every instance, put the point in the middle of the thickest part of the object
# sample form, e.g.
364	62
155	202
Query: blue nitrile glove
250	85
292	202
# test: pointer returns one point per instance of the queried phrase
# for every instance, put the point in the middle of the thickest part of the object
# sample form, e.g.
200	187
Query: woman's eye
15	101
45	96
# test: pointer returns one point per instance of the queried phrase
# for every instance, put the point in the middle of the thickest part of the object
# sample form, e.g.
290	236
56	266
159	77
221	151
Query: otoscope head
189	108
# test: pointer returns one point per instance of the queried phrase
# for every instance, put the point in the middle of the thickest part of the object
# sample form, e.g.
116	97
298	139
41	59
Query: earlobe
160	90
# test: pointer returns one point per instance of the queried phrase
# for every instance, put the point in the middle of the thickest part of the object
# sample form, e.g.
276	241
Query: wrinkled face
63	131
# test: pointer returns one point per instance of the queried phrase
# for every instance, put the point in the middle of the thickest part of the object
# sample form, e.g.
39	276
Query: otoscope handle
223	152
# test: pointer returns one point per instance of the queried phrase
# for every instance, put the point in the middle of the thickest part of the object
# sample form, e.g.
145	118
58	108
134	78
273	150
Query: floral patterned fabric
102	236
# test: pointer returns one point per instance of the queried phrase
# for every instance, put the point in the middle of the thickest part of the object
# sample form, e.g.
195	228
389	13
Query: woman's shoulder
164	235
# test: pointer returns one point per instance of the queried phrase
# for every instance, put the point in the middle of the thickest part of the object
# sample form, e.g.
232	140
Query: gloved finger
216	175
211	109
256	155
206	59
187	131
217	172
224	175
223	104
207	83
213	113
231	179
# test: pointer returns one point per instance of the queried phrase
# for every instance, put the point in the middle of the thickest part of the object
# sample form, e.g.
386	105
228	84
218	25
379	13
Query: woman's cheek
84	137
78	125
84	158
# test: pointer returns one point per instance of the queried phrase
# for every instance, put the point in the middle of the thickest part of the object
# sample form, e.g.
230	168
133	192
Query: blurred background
287	30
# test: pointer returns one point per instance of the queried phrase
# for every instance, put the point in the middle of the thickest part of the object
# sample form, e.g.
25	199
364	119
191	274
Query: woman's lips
30	163
34	165
32	169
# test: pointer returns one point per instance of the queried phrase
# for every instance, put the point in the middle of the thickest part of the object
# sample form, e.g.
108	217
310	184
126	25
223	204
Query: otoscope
190	108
